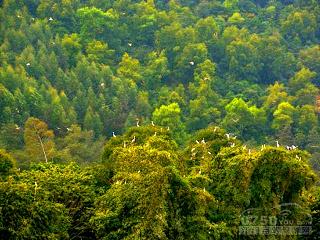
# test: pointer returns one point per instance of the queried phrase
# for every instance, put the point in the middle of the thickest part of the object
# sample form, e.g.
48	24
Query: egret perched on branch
138	123
278	145
228	135
50	19
134	139
152	123
113	134
28	64
191	63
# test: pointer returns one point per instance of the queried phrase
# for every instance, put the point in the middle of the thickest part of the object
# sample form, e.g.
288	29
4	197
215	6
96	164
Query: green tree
7	163
244	121
169	116
92	122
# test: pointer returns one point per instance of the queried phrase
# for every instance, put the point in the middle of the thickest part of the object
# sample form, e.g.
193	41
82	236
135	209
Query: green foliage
48	201
88	69
170	117
7	163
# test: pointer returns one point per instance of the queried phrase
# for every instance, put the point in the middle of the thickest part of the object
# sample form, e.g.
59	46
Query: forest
159	119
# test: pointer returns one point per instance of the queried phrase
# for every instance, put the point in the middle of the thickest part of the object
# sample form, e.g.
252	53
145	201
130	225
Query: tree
169	116
244	121
99	52
191	56
243	59
310	58
148	198
79	146
130	68
92	122
54	202
6	103
300	24
7	163
39	144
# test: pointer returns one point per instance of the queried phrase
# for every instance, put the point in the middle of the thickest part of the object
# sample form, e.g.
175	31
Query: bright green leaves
96	23
169	116
283	115
129	68
243	120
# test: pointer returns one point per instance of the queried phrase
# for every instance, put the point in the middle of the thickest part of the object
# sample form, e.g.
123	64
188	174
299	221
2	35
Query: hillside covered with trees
128	119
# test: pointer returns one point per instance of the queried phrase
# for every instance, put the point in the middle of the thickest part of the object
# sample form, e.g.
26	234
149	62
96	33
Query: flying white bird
130	44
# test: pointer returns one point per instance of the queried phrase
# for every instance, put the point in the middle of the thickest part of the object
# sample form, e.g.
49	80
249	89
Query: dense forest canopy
127	119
